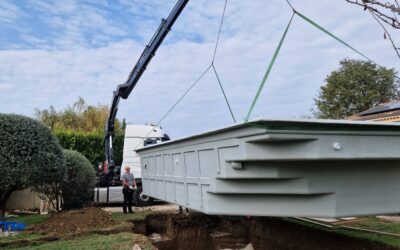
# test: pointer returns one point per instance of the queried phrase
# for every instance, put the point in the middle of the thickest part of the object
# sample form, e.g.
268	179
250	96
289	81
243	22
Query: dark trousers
128	196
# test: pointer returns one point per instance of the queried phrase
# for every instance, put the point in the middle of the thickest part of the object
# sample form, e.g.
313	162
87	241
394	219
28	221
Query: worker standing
129	186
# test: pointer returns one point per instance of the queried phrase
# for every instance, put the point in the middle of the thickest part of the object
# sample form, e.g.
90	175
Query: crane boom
124	90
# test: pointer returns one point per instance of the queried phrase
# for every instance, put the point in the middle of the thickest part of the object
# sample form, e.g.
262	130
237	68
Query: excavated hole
190	231
198	231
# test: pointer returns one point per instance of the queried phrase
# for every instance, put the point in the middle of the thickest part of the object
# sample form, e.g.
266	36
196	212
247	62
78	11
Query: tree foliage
91	145
80	127
356	86
78	117
77	186
30	155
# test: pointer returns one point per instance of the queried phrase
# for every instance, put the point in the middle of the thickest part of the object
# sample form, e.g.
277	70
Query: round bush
29	154
77	188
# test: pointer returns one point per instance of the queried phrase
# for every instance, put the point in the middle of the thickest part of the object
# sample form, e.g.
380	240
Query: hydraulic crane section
123	90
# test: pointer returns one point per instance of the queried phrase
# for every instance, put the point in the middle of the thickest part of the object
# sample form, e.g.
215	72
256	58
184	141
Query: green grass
119	216
20	236
119	241
123	240
388	240
373	223
29	220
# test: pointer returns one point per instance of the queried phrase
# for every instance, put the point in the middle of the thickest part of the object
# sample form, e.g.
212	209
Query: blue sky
51	52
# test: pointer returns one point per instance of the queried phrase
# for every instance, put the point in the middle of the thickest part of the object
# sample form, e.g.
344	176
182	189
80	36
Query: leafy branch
386	13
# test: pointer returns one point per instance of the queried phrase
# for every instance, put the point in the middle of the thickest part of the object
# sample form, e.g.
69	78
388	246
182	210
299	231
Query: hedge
77	187
91	145
30	156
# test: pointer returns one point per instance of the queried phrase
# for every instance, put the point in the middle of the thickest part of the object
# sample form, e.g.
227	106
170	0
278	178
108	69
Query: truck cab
138	136
109	187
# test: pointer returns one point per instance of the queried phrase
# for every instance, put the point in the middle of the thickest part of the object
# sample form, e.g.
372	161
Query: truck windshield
151	141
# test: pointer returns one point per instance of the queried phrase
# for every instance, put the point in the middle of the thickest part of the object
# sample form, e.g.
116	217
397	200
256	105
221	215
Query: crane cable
213	62
211	65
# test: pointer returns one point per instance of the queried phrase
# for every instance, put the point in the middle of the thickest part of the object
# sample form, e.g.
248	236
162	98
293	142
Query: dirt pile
75	221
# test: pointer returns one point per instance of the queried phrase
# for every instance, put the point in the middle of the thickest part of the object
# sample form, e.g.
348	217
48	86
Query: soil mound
75	221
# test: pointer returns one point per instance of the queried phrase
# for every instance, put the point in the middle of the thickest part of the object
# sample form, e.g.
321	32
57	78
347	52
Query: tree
30	156
77	186
78	117
356	86
52	191
386	13
81	127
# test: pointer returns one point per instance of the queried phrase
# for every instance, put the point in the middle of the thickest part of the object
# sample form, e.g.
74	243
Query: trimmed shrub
77	188
30	156
91	145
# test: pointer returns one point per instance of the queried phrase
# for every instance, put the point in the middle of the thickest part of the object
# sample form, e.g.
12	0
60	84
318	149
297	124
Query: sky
52	52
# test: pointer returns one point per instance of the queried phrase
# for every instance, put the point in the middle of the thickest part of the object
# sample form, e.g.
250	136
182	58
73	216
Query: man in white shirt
129	185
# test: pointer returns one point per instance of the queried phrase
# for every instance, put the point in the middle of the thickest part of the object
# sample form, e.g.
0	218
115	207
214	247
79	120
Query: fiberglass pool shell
313	168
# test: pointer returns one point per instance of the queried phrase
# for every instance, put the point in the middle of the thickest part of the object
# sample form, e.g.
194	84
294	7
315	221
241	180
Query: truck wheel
140	199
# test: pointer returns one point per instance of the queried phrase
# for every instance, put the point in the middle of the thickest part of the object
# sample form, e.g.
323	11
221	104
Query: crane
123	90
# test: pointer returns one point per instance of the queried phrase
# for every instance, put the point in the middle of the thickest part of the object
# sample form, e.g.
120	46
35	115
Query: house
385	112
28	200
24	200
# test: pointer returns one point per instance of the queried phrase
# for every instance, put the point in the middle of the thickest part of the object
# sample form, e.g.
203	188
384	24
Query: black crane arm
123	90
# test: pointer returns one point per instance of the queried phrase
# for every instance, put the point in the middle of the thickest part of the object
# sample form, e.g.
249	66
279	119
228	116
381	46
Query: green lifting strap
336	38
272	62
332	35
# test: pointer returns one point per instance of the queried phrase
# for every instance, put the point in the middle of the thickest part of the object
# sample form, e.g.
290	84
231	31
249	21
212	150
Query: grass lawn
119	241
373	223
388	240
123	240
18	237
29	220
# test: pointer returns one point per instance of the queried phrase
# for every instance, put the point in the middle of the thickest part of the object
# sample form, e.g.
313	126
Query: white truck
109	186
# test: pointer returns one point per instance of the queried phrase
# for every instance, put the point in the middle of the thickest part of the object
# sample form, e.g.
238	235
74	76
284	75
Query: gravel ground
158	208
389	218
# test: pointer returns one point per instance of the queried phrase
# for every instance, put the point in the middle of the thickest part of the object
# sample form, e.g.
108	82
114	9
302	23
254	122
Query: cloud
4	87
67	24
9	12
92	46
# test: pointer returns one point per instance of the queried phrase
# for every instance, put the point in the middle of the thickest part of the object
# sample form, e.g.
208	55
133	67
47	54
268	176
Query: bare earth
164	208
390	218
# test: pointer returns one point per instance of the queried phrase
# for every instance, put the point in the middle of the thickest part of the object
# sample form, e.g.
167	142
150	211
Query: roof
384	107
385	110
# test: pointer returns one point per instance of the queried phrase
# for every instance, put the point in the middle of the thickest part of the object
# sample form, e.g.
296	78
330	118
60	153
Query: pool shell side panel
280	168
